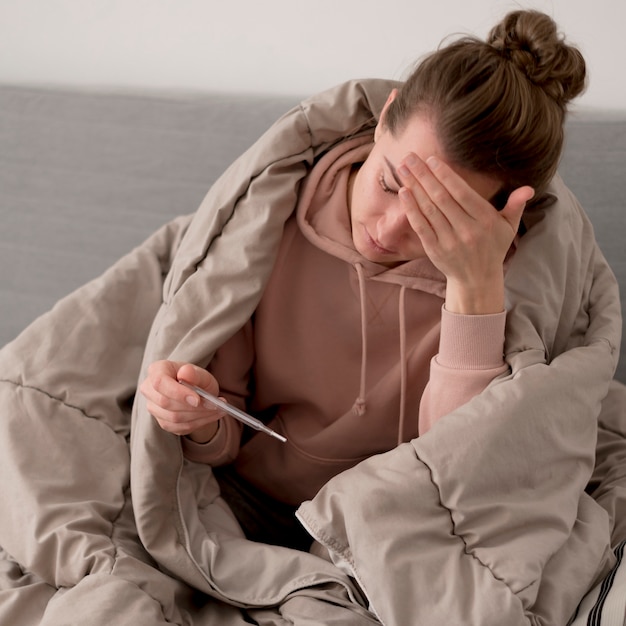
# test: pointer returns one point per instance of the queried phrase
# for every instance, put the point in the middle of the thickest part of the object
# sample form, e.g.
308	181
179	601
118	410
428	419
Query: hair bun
530	40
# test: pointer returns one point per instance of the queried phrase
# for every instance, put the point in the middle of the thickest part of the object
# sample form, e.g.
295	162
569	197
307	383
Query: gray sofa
85	176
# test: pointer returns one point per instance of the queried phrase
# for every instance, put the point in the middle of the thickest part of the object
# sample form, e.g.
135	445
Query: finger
160	404
186	418
430	195
168	392
199	377
163	389
160	384
466	201
515	205
417	220
176	424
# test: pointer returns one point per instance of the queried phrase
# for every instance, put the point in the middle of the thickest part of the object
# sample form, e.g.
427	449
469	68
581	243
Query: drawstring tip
359	406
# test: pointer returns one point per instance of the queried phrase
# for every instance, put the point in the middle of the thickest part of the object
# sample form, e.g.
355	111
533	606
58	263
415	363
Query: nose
392	227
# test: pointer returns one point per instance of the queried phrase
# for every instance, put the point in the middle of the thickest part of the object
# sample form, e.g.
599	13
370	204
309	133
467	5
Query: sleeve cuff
471	342
217	451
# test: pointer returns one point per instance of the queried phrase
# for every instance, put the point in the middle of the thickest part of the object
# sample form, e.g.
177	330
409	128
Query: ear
381	120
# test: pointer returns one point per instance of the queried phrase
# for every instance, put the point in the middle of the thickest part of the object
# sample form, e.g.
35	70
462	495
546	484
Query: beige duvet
483	521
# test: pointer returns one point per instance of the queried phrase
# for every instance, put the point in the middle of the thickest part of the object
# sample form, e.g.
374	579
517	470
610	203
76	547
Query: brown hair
498	105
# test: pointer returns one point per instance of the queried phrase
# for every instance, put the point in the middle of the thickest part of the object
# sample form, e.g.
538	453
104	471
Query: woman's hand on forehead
462	233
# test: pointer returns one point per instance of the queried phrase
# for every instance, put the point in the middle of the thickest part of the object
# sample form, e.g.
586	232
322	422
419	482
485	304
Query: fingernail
411	160
192	401
403	170
433	162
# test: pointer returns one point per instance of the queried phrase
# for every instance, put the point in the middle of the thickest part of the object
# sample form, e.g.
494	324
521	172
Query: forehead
419	136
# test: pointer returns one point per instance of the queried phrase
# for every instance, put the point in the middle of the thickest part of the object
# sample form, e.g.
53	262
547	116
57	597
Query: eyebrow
393	171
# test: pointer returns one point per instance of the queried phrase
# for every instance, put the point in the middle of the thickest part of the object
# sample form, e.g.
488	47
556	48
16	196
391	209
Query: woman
385	310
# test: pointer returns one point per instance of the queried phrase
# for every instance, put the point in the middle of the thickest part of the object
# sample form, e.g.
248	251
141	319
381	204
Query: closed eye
385	187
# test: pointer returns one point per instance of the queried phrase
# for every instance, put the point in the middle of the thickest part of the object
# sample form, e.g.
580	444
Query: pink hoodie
345	357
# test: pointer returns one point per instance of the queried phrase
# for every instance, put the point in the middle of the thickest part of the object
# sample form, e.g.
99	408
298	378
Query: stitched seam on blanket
308	124
456	534
51	396
342	549
326	540
144	590
112	522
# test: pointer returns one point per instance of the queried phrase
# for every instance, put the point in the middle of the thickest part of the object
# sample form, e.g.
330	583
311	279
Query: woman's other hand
176	408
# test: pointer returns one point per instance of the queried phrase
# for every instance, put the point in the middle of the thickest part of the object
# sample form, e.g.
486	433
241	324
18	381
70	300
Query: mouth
375	245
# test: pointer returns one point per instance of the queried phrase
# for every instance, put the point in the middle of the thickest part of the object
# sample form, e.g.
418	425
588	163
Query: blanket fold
484	520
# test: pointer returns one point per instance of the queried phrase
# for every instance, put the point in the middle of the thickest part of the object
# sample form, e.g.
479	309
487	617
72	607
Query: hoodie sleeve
470	356
220	450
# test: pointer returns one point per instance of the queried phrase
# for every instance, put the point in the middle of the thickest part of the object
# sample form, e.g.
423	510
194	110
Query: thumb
198	376
516	204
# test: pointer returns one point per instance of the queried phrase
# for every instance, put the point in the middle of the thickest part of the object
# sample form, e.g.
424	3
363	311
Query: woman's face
380	229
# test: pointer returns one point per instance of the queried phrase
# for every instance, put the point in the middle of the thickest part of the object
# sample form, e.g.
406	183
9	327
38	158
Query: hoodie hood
324	218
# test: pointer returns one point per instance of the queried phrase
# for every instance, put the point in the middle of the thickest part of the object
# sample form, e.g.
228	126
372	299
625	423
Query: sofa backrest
86	176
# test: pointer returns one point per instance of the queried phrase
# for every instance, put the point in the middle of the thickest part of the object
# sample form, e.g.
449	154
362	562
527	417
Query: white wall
283	46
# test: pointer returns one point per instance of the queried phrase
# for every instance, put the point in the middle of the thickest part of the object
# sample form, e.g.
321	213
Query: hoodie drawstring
359	404
403	363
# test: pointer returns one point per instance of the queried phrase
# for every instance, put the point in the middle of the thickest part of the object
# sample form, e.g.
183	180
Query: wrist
484	298
205	434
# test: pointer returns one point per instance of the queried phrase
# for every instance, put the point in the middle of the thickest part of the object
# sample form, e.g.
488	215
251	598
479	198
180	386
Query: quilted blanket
506	512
